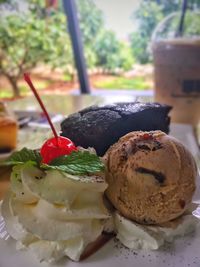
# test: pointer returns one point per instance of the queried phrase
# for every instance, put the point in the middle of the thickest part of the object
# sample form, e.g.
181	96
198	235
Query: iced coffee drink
177	77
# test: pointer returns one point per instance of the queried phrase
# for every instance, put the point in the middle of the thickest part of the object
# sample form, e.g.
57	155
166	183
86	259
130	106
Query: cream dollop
54	214
138	236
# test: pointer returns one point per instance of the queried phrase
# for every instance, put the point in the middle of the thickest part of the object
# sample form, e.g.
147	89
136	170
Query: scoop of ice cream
151	177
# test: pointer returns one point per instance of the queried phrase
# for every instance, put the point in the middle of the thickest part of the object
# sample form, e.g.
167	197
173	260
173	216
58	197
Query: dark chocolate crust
102	126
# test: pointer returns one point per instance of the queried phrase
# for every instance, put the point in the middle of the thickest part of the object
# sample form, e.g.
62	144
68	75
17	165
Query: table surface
71	103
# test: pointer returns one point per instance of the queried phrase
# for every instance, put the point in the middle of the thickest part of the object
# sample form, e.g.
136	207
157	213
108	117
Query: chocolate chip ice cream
151	177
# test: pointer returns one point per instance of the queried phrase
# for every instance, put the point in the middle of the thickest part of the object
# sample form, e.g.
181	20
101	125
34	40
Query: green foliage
194	4
6	93
23	156
148	16
125	57
4	1
101	47
59	46
76	163
139	44
28	40
170	6
107	48
90	55
91	20
111	53
24	90
192	24
136	83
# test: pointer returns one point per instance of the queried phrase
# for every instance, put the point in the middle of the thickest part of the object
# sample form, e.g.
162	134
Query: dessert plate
184	252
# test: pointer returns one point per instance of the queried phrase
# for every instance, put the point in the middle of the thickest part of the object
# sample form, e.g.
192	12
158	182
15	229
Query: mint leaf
77	163
23	156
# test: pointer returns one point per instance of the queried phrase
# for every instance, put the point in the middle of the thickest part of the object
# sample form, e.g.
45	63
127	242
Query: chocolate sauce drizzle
96	245
160	177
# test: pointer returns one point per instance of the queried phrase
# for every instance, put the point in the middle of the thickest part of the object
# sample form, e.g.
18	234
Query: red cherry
56	147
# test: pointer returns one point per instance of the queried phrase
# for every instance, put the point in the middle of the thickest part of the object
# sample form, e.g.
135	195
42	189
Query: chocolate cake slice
102	126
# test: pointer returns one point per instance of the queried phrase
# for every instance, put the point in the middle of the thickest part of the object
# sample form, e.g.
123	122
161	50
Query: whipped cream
137	236
55	214
52	213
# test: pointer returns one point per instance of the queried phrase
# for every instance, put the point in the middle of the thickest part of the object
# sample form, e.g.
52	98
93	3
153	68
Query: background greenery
39	37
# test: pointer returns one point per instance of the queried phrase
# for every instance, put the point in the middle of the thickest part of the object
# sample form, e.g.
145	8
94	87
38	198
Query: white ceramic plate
184	252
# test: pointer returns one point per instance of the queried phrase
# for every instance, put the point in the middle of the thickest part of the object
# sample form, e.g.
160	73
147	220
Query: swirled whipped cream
52	213
137	236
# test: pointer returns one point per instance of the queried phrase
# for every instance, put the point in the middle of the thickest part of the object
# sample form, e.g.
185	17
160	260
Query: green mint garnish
77	163
23	156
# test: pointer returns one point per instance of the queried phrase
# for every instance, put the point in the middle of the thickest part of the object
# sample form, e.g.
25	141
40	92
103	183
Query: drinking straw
180	29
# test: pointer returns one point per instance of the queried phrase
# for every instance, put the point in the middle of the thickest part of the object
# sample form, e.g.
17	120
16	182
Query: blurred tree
91	20
126	59
148	16
112	54
169	6
192	24
28	40
107	48
40	37
91	24
102	48
139	43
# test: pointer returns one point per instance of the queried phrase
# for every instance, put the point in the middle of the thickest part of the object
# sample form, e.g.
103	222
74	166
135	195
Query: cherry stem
29	82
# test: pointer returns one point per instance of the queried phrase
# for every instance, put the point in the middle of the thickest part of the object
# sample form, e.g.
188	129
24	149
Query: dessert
55	210
151	181
55	205
101	126
8	130
151	177
54	213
